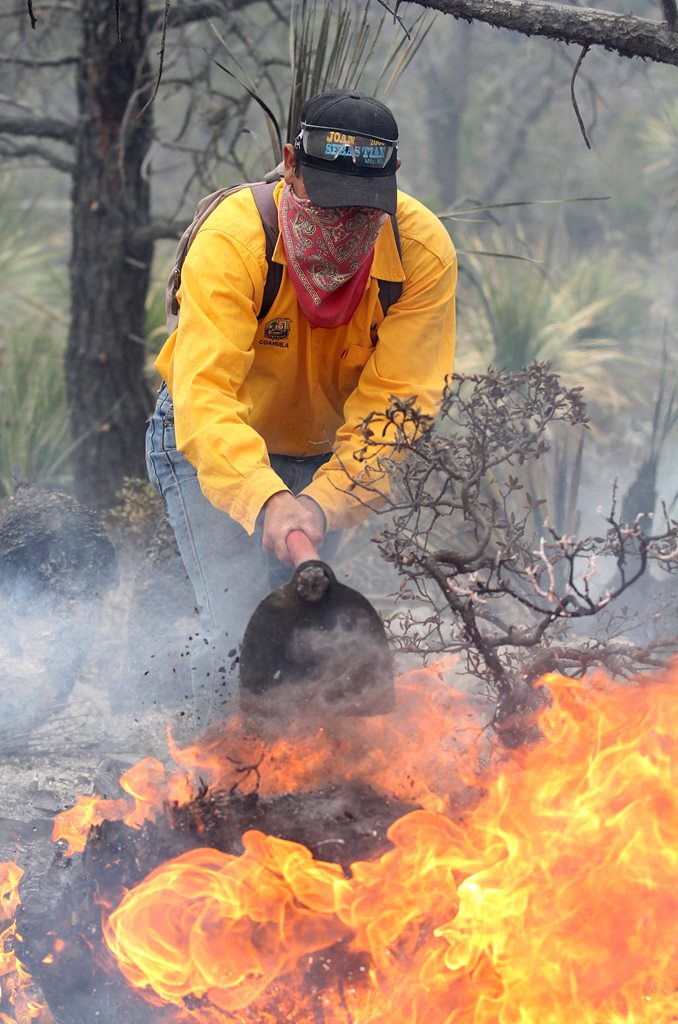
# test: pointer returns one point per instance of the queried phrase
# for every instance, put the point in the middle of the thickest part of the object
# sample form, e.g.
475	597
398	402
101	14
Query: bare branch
43	127
537	97
468	537
188	14
161	54
39	65
580	121
158	229
12	151
396	17
586	26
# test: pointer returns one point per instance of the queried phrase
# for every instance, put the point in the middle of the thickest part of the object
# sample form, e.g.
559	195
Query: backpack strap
268	211
390	291
263	197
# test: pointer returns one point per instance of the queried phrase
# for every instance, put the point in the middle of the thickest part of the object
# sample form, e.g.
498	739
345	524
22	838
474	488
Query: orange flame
148	786
235	923
422	755
555	900
17	990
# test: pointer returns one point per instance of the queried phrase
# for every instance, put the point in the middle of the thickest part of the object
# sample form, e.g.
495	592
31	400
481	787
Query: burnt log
52	546
56	563
59	919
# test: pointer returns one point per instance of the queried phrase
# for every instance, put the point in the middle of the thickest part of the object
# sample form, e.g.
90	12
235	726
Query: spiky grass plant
30	257
585	319
34	422
34	431
333	46
349	44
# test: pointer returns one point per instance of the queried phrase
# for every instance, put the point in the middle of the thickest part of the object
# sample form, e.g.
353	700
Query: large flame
553	901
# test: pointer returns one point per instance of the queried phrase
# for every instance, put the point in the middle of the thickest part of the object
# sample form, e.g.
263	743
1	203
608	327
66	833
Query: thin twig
34	20
396	16
161	54
585	50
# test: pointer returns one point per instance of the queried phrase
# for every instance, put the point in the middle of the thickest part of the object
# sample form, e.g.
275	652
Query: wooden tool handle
300	548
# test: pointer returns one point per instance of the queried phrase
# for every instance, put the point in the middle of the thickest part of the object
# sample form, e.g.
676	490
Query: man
258	422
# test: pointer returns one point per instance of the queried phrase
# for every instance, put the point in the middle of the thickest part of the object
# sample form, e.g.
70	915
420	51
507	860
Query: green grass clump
587	318
34	423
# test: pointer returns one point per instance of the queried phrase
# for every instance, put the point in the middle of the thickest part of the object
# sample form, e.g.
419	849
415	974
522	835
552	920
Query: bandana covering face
329	254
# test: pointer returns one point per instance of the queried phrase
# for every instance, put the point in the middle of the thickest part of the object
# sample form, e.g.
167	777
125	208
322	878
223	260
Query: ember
553	898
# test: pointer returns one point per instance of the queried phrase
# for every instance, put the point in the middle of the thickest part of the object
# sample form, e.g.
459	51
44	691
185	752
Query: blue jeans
228	568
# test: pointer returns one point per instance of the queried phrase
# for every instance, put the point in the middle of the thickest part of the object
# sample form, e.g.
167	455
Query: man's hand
284	513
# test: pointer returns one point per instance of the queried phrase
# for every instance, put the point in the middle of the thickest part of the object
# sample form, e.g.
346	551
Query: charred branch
13	152
620	659
580	120
43	128
156	230
625	34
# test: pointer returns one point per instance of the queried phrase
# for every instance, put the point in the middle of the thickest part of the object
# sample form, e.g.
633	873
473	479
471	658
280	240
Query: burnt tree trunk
108	397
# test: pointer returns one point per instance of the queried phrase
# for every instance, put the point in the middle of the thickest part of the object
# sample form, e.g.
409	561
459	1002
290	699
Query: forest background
487	120
554	167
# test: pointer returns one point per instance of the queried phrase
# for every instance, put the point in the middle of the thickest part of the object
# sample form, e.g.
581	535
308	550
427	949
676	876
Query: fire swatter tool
317	643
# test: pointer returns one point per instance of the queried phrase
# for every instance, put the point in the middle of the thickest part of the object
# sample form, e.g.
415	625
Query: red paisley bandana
329	254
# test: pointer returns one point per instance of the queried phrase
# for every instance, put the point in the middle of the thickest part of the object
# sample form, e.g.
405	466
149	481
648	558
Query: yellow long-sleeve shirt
243	389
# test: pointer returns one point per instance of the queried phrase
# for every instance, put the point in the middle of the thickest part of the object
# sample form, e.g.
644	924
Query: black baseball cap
348	149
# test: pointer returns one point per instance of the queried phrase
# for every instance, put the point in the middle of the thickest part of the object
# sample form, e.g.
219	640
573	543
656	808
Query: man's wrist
307	497
274	499
267	505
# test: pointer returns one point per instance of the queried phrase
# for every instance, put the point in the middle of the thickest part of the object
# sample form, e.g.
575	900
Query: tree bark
108	398
624	33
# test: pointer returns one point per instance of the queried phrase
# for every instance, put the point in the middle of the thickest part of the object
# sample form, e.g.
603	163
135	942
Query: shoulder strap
263	197
390	291
204	208
268	211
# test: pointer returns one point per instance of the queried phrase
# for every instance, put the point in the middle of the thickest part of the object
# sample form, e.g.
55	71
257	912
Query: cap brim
332	188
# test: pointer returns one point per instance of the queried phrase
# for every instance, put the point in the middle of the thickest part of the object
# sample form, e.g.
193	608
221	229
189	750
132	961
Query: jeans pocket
161	442
169	434
164	413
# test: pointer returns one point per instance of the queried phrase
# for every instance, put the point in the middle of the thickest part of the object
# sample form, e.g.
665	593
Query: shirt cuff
262	484
341	507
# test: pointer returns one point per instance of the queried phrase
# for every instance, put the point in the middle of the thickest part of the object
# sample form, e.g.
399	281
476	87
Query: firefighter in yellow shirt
258	419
